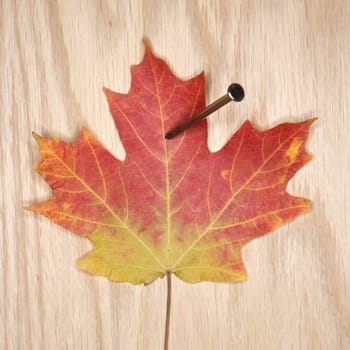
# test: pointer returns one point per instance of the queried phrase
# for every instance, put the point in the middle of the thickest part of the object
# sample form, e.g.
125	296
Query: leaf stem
168	305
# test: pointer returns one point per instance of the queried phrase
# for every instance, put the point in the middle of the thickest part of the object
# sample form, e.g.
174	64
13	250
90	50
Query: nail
235	93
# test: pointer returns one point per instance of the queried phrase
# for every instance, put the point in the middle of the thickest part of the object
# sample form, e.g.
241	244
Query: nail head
236	92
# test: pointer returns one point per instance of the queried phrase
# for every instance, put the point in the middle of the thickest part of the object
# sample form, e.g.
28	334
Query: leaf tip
308	205
147	44
28	208
310	121
243	278
110	95
105	90
84	131
37	137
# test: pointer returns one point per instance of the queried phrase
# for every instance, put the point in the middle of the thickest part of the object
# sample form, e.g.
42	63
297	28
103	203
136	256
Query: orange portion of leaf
171	205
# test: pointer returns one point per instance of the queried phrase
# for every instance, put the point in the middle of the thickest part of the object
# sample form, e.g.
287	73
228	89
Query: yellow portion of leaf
121	260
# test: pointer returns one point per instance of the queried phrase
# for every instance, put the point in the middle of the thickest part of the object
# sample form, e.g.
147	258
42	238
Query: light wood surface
293	58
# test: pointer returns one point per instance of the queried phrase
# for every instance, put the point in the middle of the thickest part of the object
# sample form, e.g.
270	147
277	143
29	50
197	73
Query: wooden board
293	58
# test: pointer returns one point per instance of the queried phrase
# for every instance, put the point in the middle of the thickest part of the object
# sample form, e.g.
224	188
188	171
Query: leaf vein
143	244
232	198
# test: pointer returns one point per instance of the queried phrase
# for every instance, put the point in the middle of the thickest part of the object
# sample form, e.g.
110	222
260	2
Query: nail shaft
201	115
235	93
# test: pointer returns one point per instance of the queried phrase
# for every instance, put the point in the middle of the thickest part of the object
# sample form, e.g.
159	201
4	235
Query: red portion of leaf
171	205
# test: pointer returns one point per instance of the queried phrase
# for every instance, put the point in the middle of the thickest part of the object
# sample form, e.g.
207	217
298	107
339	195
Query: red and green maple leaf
171	206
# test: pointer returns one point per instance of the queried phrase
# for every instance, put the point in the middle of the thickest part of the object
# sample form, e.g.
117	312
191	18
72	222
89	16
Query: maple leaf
171	206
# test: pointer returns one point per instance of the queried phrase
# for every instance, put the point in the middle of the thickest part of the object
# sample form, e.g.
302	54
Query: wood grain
293	59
